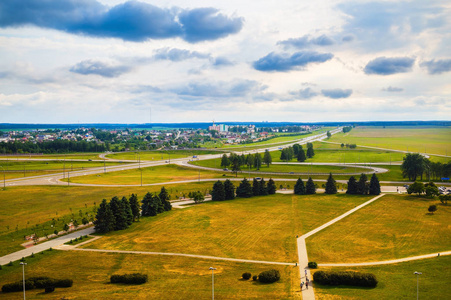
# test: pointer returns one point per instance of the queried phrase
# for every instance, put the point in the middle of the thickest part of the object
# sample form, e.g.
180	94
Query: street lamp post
417	273
212	282
23	276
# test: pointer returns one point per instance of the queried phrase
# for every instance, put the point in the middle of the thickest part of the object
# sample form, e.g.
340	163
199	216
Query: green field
394	226
169	277
158	155
434	140
396	281
86	156
266	227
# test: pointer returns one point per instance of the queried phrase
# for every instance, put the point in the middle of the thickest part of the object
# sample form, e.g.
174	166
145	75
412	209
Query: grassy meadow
395	226
396	281
434	140
266	227
169	277
158	155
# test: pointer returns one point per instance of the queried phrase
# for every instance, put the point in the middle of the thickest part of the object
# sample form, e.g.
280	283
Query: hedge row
345	278
36	283
269	276
135	278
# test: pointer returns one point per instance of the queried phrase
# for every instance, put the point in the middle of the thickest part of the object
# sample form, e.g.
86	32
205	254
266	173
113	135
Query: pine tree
159	203
244	190
119	214
375	187
267	159
352	186
154	205
164	197
134	205
296	148
250	160
331	186
299	188
225	161
310	187
301	155
283	155
271	187
128	210
255	188
146	203
257	161
229	190
263	188
218	192
362	187
104	221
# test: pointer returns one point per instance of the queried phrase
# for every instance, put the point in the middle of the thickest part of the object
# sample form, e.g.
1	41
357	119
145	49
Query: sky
116	61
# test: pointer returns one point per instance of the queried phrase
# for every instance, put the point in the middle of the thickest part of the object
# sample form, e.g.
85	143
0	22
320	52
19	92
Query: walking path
304	270
44	246
386	262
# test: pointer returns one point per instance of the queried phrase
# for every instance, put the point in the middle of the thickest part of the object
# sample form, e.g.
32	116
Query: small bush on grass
312	265
10	264
41	282
135	278
255	278
49	289
345	278
269	276
246	275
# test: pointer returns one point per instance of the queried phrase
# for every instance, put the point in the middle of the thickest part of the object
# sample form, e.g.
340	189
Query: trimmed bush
49	289
135	278
312	265
246	275
17	286
41	282
63	283
255	278
345	278
269	276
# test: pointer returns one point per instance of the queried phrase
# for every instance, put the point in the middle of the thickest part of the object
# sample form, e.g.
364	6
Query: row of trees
120	214
60	146
416	165
348	146
223	191
226	191
307	189
362	187
296	151
251	160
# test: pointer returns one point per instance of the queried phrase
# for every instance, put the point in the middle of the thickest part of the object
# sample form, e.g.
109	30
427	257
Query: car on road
225	169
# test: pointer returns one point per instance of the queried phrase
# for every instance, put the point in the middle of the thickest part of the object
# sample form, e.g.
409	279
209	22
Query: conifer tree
310	151
146	203
267	159
362	187
218	192
229	190
257	161
271	188
263	188
310	187
301	155
225	161
352	186
119	213
375	187
299	187
255	187
159	204
164	197
244	190
134	206
104	221
331	186
128	210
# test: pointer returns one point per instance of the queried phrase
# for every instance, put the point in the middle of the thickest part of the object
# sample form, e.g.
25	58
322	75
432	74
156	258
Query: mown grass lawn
260	228
395	226
396	281
158	155
169	277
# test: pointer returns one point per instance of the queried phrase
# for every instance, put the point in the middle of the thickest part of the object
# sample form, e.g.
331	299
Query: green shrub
1	267
49	289
40	282
135	278
10	264
255	278
312	265
269	276
246	275
345	278
17	286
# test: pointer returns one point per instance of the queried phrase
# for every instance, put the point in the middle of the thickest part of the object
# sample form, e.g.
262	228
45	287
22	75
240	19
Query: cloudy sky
116	61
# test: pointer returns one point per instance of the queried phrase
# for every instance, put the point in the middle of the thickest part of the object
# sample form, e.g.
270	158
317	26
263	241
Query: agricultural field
266	227
434	140
169	277
396	281
395	226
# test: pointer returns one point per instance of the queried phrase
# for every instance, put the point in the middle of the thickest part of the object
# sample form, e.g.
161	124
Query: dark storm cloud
389	65
284	62
130	21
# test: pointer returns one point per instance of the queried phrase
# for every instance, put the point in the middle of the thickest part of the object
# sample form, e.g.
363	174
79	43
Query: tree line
226	191
251	160
296	151
57	146
120	214
416	165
